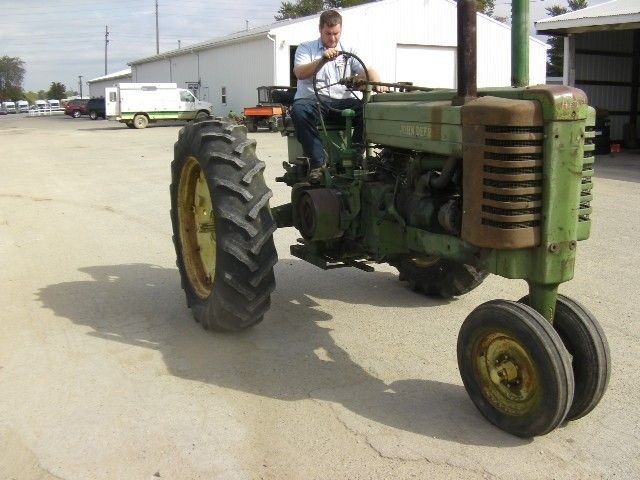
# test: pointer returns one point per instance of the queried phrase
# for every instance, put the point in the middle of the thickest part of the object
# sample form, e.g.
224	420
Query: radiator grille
509	184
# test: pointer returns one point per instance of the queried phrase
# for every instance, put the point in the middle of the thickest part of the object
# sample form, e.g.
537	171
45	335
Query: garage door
426	65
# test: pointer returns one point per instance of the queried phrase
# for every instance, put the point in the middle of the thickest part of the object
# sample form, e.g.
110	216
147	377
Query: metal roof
613	15
121	74
219	41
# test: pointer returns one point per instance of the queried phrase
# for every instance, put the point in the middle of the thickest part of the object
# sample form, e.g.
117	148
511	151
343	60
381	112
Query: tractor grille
503	172
584	212
512	181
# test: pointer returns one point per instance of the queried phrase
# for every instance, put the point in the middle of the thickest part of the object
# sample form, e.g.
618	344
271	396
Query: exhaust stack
519	43
467	52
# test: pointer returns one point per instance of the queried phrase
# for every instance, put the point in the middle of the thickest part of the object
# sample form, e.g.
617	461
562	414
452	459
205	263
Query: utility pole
157	31
246	25
106	41
178	44
80	84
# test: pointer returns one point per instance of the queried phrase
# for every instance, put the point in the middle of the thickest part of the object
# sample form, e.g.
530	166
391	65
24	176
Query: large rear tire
222	225
438	277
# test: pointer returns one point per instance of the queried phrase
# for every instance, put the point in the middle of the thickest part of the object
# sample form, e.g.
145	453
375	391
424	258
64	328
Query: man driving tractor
324	53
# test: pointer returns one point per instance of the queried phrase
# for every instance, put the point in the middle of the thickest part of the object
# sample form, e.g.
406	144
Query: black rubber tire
585	340
442	278
244	226
140	121
130	125
251	125
554	375
93	115
75	114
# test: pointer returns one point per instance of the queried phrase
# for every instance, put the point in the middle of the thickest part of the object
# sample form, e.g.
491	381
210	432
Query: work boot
315	175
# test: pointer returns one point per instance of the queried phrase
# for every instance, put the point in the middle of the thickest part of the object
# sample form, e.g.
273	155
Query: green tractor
454	185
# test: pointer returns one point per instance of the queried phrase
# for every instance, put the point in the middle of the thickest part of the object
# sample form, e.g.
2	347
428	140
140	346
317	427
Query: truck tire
93	115
439	277
140	121
75	114
251	124
222	226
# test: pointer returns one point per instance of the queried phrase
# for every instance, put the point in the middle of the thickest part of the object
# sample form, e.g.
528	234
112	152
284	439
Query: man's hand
330	54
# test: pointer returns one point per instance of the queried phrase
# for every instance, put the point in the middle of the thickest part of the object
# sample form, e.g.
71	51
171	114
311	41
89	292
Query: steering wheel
348	81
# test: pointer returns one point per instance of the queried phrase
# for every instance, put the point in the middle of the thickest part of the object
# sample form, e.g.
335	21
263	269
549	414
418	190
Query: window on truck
224	95
187	97
112	96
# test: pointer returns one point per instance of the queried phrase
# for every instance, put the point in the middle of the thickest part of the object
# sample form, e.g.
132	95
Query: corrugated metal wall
238	67
603	65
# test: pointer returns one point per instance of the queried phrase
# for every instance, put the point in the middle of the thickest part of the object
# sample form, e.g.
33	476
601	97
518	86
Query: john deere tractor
453	185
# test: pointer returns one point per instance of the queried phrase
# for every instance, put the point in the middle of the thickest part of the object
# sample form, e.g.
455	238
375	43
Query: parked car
76	107
96	108
41	105
22	106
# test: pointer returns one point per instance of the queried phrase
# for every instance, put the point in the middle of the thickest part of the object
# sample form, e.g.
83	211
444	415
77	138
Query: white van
138	104
22	106
54	104
41	105
9	107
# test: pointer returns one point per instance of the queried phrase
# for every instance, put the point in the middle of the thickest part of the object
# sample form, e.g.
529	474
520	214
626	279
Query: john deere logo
413	130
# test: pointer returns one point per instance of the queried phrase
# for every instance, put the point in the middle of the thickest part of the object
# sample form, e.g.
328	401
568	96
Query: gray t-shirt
330	72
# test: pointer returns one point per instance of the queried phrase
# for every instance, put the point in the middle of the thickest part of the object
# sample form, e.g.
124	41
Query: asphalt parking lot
104	374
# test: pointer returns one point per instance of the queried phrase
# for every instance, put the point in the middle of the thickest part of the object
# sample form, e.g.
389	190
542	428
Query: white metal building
404	40
97	85
600	58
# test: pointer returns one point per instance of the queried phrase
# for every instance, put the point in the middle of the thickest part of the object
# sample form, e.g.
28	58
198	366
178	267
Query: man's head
330	28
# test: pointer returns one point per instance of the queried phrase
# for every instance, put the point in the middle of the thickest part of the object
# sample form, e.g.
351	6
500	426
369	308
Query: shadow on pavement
290	356
621	166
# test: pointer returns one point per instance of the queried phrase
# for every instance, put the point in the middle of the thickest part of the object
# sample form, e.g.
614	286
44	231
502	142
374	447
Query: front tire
585	340
93	115
222	226
515	368
75	114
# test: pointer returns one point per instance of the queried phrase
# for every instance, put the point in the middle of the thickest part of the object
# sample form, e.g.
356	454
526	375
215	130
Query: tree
486	6
555	55
303	8
11	77
56	91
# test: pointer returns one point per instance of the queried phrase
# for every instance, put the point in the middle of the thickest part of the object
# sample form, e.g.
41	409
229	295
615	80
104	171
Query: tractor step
304	253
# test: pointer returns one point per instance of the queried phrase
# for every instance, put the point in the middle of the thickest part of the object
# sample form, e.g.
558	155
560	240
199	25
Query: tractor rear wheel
435	276
222	225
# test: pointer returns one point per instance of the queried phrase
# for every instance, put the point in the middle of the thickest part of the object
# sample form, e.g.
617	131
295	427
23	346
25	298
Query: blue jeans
305	114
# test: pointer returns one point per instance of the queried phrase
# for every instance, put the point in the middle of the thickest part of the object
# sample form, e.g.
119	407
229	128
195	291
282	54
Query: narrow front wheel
515	368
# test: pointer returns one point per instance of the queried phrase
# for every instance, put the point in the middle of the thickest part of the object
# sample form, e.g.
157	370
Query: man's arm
304	71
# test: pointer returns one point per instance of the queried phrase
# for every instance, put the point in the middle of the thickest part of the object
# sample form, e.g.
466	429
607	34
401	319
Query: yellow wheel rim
507	374
197	228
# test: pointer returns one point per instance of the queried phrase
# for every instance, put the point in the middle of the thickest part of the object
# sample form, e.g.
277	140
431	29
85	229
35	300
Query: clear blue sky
59	40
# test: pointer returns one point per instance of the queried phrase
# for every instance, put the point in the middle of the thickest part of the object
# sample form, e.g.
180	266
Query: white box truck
138	104
9	107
